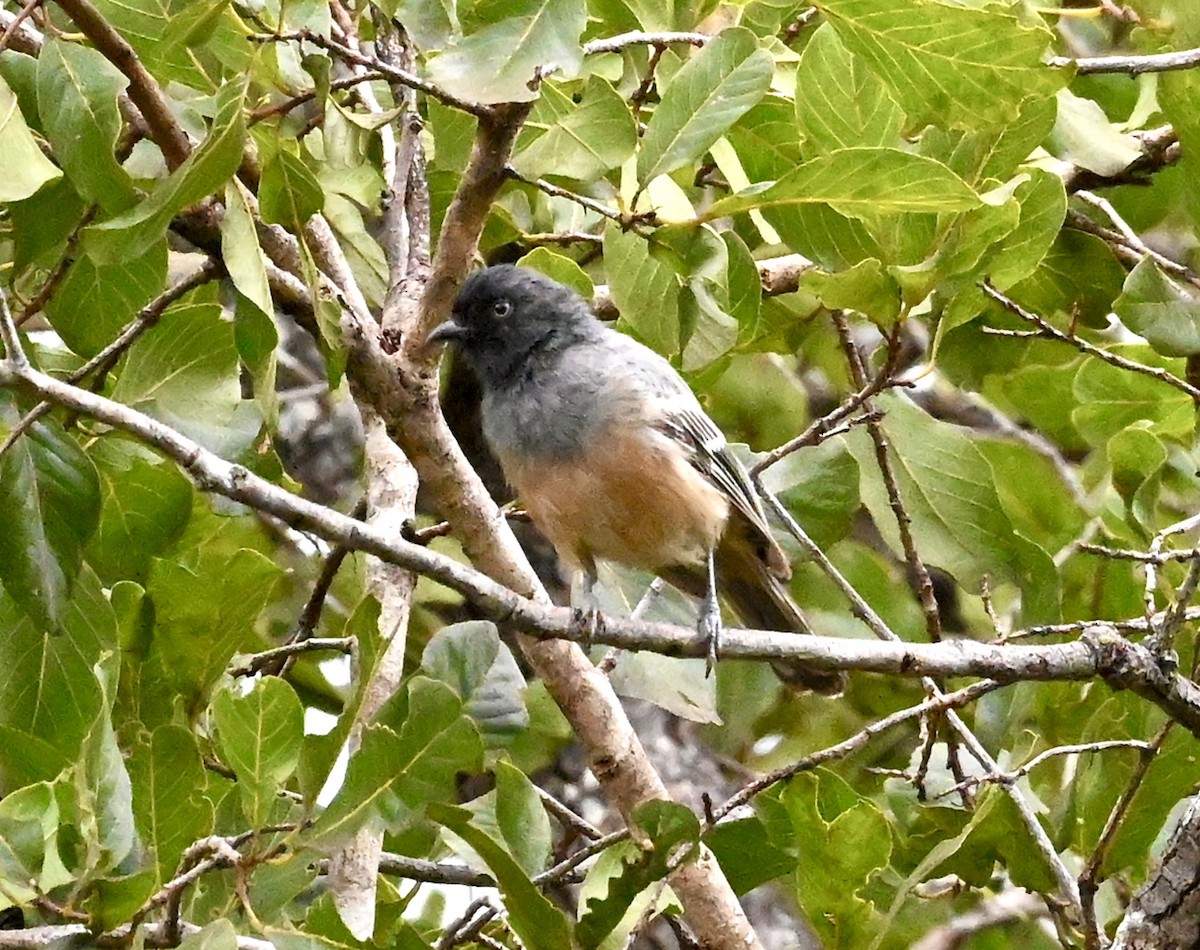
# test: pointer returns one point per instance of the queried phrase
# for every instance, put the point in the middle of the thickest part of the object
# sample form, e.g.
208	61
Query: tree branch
1047	329
1130	65
143	89
386	70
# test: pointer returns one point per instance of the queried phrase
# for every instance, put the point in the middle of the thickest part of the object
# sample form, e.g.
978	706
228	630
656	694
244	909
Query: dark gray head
506	315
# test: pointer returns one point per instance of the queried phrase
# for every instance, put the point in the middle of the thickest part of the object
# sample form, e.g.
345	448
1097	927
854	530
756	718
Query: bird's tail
762	602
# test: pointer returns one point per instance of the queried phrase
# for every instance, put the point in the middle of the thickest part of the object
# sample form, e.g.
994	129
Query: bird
614	458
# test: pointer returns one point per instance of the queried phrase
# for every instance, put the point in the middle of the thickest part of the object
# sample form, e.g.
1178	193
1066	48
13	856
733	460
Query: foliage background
938	241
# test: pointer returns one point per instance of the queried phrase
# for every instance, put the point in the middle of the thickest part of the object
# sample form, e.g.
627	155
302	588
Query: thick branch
1101	651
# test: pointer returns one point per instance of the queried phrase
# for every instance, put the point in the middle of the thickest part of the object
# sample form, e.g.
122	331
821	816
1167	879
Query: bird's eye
502	308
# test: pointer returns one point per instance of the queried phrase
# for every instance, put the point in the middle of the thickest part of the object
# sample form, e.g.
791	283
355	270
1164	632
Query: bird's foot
709	627
586	623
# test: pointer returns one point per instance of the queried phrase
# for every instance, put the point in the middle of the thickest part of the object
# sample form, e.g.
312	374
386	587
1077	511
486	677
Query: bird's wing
710	454
675	411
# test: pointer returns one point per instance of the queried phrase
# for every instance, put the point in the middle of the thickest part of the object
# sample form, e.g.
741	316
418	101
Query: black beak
448	332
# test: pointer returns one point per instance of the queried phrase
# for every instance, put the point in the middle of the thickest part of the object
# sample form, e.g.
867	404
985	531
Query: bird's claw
710	628
586	622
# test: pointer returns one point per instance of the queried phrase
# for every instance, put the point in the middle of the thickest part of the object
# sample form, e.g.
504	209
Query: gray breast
552	412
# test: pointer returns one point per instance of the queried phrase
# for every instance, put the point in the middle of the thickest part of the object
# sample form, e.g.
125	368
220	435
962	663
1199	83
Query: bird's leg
710	616
586	607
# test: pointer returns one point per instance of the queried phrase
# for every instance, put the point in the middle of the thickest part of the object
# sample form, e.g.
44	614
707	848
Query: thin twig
642	93
22	15
287	105
1127	554
625	220
14	352
249	665
1129	248
796	27
567	816
1130	65
1008	777
310	616
943	701
883	459
1049	330
386	70
1162	637
457	930
1089	878
882	380
103	361
1149	594
614	44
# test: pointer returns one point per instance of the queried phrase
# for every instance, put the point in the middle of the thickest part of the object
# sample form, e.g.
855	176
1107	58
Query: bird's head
504	315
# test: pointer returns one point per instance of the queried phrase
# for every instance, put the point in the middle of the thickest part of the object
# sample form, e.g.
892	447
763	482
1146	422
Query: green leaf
1111	399
500	61
96	301
1043	202
397	771
49	508
471	659
42	223
1077	278
170	808
865	287
146	504
145	23
842	840
430	23
1137	457
1165	786
585	135
766	139
363	253
994	153
219	935
745	291
538	923
862	183
949	491
1036	497
49	689
711	92
206	170
561	268
257	339
948	64
819	486
843	103
23	167
184	372
289	193
29	859
258	736
205	612
1160	310
102	804
673	832
240	250
522	819
747	855
644	290
77	101
1084	136
676	685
